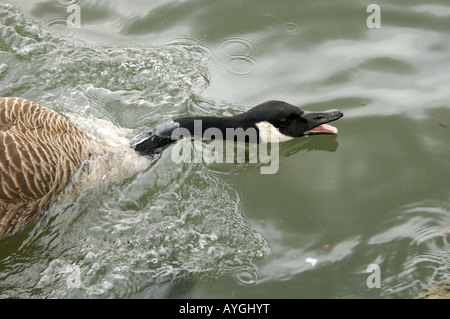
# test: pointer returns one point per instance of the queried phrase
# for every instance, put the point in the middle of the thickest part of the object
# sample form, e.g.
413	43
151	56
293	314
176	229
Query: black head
290	120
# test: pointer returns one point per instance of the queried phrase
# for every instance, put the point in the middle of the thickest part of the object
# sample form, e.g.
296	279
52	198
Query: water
378	193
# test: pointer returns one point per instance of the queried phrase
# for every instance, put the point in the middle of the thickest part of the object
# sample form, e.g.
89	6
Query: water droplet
3	68
446	232
291	28
247	277
269	21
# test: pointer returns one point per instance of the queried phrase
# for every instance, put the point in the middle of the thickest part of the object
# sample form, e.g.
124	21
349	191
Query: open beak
316	122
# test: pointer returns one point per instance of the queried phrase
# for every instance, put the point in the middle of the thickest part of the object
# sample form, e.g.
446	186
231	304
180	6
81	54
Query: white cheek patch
270	134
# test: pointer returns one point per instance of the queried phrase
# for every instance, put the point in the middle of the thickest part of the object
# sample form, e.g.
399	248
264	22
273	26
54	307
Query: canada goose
40	149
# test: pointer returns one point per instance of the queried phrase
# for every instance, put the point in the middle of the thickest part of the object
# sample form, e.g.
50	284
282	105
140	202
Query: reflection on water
375	194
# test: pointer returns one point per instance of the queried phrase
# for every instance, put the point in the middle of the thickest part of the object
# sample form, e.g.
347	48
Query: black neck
197	125
208	127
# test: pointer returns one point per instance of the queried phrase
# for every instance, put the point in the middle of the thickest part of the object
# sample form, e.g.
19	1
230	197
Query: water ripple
158	74
269	20
239	55
292	28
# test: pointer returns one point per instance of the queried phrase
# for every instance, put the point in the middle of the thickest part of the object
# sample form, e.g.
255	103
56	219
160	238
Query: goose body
40	149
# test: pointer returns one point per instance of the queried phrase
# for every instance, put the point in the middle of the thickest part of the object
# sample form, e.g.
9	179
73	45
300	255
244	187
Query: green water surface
377	193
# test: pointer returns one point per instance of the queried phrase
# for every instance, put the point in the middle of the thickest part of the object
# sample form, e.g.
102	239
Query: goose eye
283	121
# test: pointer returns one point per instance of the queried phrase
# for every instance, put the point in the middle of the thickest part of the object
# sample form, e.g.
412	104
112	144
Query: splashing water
132	226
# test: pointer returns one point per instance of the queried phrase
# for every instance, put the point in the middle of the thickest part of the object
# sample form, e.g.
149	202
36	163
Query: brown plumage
39	151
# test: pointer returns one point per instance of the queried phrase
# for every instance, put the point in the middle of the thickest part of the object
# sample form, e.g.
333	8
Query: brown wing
39	151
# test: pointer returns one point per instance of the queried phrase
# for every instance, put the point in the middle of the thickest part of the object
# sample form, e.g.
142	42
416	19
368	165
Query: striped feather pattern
39	151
